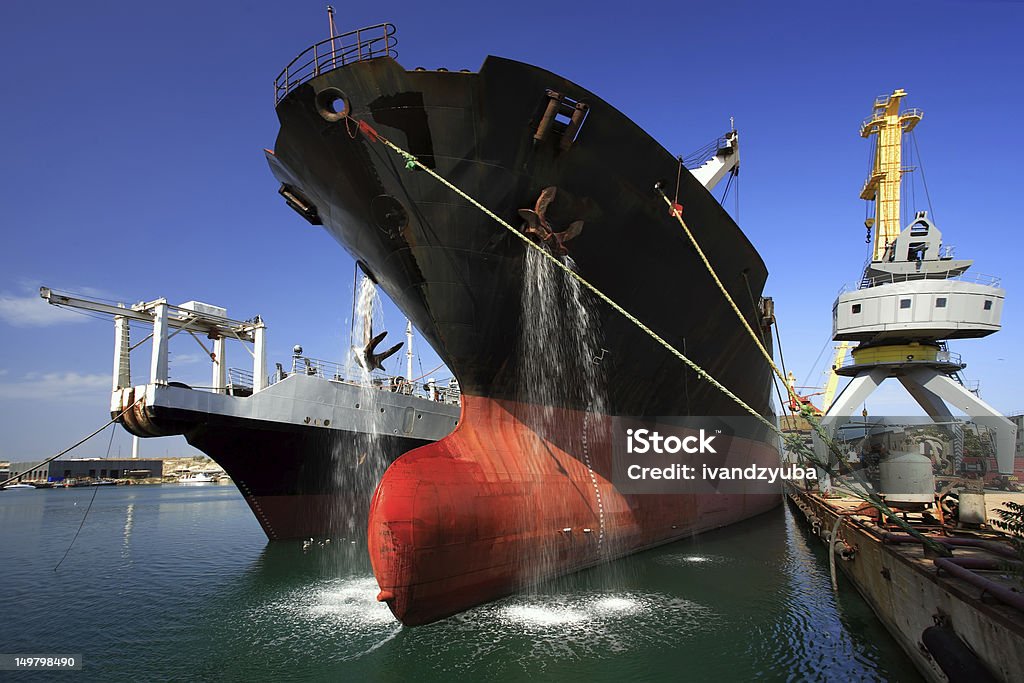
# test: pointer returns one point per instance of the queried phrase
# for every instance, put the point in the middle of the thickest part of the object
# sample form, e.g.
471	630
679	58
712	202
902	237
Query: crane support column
259	357
158	362
220	367
855	393
982	413
122	354
933	404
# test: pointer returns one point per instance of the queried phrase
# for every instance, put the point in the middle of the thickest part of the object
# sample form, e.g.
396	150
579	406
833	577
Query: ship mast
408	350
883	184
334	32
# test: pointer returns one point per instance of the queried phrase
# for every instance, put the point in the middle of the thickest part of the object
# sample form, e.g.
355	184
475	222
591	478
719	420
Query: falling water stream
558	368
360	458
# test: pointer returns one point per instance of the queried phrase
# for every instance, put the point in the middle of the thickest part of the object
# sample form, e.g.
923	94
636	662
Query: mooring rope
872	499
736	309
95	490
728	297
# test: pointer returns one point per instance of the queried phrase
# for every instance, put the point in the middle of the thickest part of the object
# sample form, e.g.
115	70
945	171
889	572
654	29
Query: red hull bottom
493	507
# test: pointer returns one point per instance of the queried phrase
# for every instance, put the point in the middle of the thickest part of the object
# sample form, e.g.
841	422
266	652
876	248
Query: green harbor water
179	583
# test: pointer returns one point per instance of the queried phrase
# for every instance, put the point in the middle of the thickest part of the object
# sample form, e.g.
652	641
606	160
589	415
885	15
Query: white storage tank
907	478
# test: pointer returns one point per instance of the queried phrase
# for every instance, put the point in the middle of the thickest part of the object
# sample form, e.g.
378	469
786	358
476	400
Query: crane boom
180	317
883	183
191	317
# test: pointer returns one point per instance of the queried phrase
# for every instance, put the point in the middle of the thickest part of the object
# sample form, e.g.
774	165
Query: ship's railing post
158	363
219	380
259	358
122	354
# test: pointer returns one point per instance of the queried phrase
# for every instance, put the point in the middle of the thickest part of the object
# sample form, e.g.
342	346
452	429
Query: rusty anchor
366	355
536	223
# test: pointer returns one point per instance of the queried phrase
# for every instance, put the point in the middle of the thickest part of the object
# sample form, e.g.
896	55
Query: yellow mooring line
736	309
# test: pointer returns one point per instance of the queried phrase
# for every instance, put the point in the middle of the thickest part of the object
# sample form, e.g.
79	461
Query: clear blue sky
133	137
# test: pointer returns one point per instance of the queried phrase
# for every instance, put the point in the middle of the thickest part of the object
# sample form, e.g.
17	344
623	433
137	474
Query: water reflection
201	595
129	520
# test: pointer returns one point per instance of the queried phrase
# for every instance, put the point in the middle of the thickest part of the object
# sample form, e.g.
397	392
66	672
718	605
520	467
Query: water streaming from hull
559	364
360	462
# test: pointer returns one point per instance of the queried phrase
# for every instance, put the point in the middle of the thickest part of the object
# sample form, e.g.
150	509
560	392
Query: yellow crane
883	184
831	384
882	188
833	377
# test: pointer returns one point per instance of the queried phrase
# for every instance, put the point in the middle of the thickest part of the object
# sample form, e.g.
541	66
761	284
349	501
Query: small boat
18	486
196	478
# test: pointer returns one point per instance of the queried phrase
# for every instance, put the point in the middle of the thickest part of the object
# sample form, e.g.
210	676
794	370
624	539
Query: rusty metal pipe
576	120
991	546
955	566
549	116
983	563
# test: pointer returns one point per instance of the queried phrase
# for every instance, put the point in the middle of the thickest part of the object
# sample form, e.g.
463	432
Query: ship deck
912	594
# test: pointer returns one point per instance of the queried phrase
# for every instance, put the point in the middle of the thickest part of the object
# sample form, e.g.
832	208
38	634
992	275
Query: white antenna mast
408	350
334	32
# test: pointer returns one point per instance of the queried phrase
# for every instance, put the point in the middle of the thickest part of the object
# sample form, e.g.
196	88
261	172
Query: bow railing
355	46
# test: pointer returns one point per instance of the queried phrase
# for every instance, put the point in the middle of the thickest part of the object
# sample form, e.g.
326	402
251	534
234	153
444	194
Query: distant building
87	468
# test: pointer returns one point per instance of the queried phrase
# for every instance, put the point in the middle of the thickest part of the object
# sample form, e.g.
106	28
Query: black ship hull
306	453
459	276
299	483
